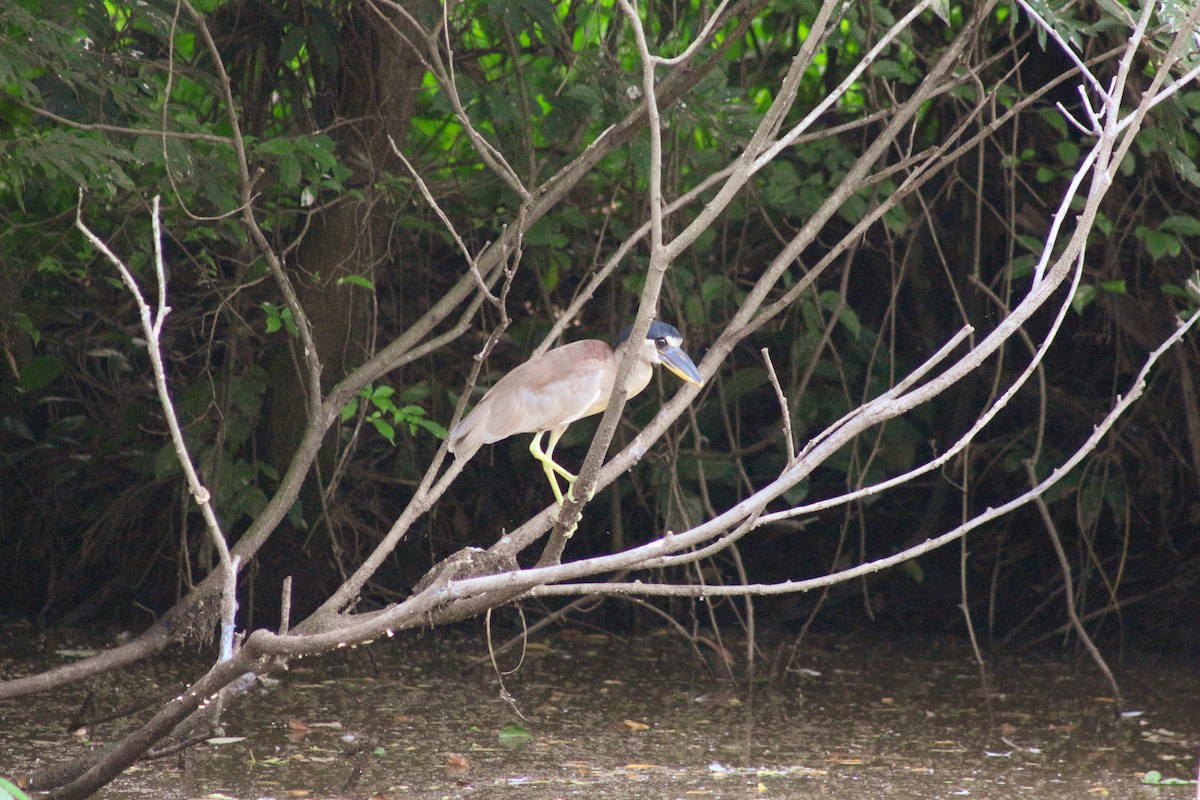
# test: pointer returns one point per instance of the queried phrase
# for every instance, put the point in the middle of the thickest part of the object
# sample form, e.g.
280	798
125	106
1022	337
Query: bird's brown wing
547	392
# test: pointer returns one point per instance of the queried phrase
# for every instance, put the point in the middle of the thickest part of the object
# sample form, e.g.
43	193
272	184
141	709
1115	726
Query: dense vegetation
359	196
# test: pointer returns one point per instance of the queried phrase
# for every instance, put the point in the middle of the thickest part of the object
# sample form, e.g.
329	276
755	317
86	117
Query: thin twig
152	324
784	407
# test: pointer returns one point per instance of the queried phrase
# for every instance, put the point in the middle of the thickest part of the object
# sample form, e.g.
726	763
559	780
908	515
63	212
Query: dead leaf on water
457	765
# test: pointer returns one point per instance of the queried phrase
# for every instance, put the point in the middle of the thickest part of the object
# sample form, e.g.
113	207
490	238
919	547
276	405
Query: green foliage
385	416
279	318
514	736
1155	778
306	165
1087	292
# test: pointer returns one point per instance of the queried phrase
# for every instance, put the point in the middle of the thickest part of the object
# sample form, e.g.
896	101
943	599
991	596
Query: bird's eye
660	343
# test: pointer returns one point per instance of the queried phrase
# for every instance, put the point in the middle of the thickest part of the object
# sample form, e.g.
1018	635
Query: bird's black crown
658	329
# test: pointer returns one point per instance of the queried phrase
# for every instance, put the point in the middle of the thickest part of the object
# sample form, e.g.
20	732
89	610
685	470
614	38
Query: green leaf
289	172
1032	243
26	326
274	323
1155	778
514	736
849	320
1158	243
386	430
782	183
713	287
545	232
1181	224
1068	152
40	371
1084	296
279	318
1022	266
356	280
380	394
550	277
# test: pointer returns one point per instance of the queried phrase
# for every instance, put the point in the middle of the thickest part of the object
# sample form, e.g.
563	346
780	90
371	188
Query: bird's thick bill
678	362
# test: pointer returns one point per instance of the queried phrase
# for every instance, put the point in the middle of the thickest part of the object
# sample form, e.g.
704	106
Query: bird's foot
571	526
571	493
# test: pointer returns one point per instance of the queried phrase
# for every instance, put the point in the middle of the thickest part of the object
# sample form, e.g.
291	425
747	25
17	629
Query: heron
549	392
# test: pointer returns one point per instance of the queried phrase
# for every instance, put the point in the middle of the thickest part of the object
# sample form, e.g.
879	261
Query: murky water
598	716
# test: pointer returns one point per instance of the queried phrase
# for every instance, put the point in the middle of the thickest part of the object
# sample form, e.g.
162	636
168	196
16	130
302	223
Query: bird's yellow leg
547	456
551	467
554	437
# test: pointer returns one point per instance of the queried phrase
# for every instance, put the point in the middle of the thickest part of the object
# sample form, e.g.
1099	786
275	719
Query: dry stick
152	325
443	73
437	209
99	126
784	407
505	695
1063	45
1064	565
427	493
552	618
980	423
924	172
751	315
984	676
1114	606
246	196
661	255
285	606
